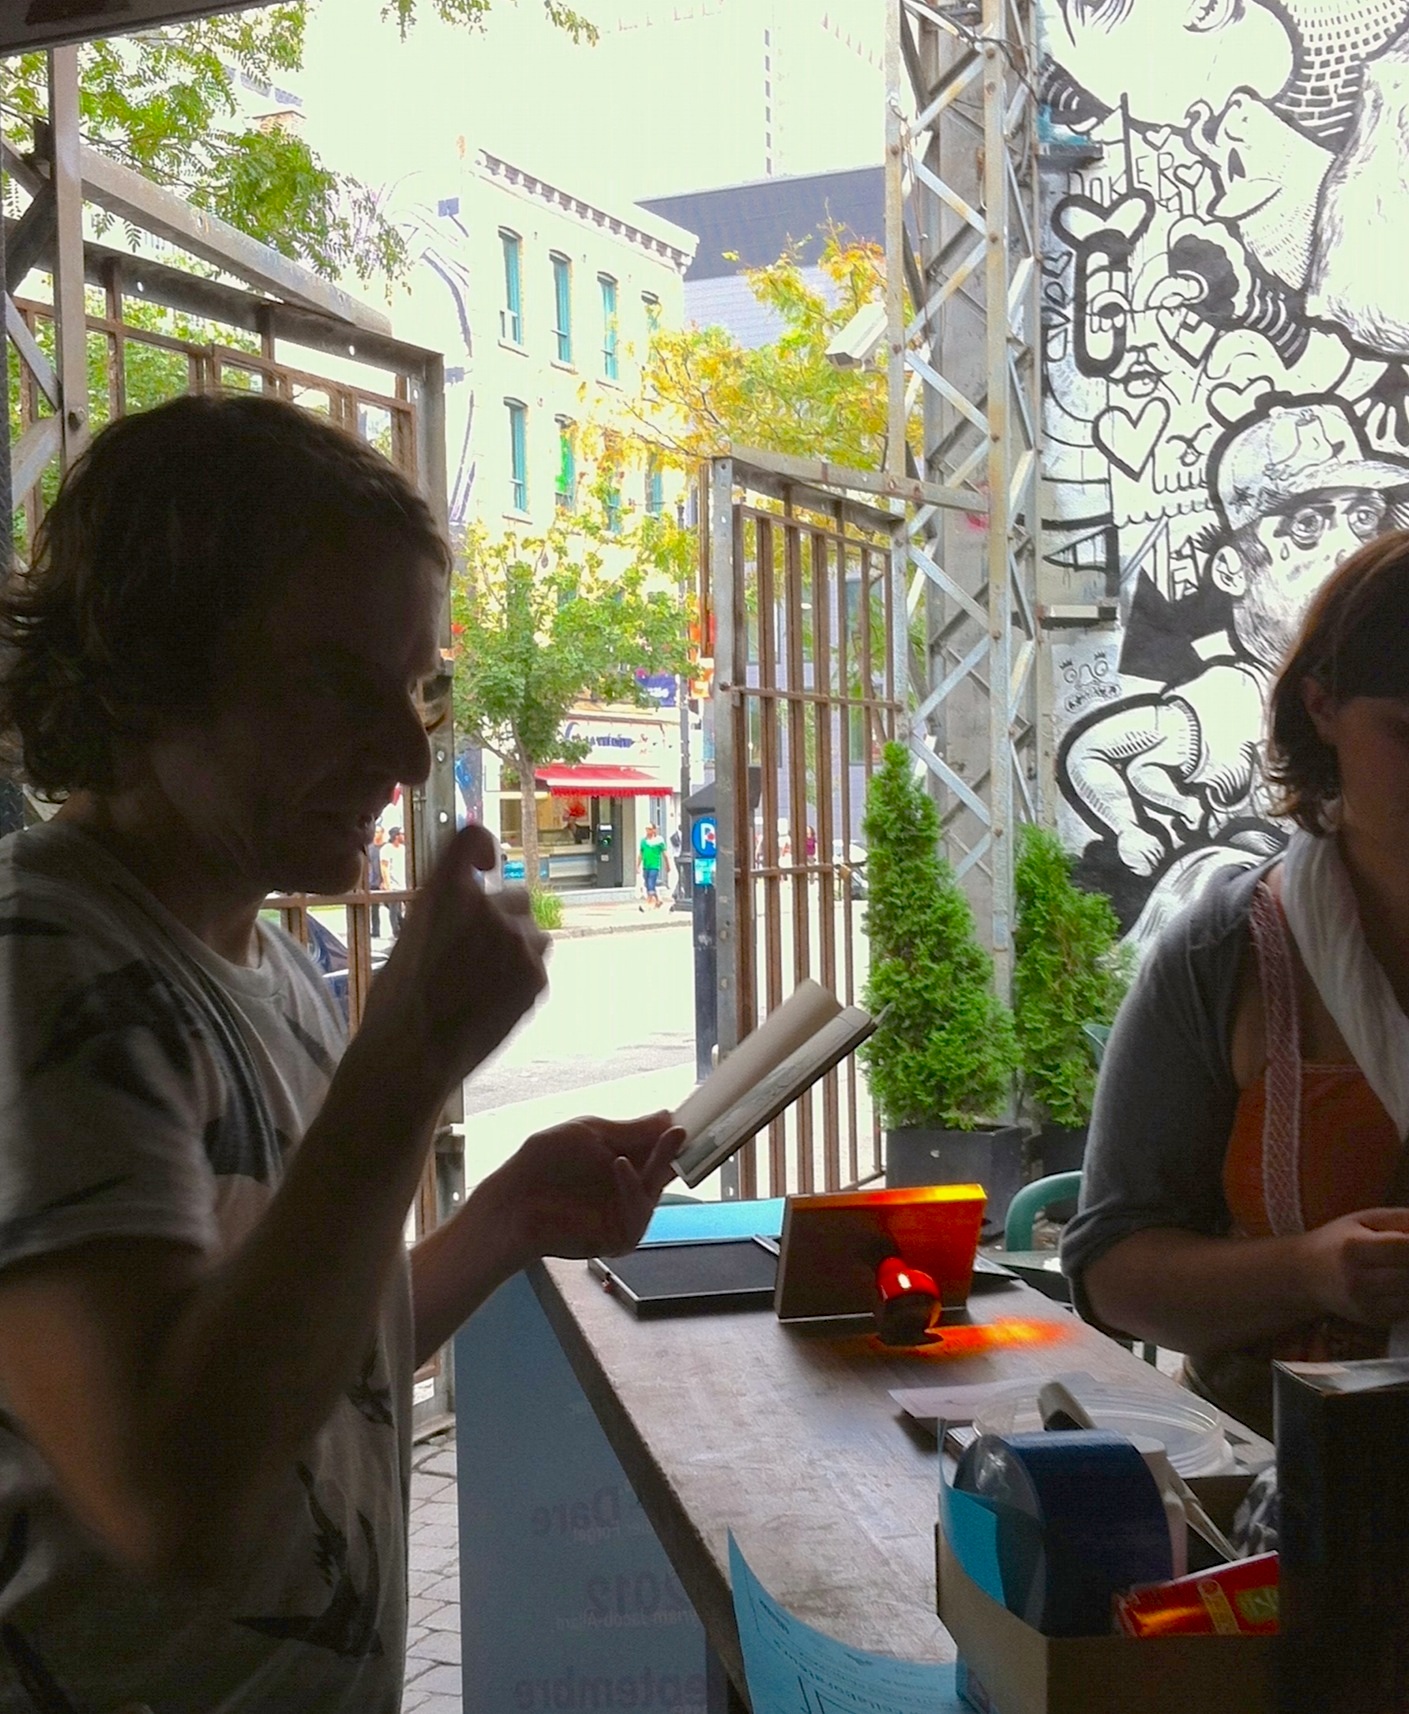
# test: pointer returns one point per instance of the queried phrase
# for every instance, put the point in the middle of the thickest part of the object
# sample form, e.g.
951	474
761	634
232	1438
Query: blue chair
1034	1199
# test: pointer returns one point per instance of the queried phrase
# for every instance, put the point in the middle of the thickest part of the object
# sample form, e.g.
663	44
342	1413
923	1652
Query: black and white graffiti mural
1226	321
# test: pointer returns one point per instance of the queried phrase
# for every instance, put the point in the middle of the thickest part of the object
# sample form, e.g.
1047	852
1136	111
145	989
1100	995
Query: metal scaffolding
963	245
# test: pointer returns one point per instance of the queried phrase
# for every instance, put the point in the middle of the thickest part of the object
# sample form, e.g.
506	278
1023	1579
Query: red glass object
909	1301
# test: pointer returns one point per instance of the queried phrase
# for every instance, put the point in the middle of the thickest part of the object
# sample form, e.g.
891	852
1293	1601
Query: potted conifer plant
1069	971
941	1064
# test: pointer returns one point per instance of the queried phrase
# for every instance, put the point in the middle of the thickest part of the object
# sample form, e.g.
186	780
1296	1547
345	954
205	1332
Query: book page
806	1010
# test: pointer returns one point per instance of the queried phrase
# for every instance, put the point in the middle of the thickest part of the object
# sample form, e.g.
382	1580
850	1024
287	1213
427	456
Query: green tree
702	389
542	622
945	1053
163	101
1069	971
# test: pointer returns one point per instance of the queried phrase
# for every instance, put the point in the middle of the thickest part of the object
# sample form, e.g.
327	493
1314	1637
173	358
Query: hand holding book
796	1044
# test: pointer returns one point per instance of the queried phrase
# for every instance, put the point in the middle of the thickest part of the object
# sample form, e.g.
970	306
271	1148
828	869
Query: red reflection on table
978	1340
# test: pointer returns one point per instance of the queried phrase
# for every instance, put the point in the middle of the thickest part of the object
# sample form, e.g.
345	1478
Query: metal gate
804	593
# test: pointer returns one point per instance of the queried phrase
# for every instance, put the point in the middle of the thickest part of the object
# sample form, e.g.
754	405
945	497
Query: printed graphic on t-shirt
137	1105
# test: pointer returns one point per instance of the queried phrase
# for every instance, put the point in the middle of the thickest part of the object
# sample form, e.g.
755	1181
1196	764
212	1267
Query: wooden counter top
790	1440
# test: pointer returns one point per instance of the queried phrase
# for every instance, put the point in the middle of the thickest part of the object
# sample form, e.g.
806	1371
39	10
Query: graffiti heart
1129	439
1231	403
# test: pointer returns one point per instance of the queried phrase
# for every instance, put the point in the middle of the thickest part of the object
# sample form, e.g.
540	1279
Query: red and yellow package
1230	1600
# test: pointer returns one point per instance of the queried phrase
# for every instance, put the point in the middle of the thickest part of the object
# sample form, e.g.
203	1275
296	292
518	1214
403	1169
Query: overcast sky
671	99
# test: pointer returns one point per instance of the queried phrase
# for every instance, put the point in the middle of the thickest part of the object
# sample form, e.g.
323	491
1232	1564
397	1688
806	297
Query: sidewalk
618	916
614	915
433	1684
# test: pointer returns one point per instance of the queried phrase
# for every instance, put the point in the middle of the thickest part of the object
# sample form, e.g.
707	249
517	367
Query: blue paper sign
568	1599
794	1669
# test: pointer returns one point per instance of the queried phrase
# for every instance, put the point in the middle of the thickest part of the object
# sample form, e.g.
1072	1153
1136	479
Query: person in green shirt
654	864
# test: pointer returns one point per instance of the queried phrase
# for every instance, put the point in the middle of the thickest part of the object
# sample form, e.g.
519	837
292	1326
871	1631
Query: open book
795	1045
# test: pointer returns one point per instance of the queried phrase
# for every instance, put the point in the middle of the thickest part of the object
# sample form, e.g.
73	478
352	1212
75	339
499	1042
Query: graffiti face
1270	178
1162	57
1295	552
1102	241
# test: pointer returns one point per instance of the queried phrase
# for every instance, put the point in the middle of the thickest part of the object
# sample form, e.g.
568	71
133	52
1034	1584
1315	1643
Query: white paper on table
967	1401
805	1011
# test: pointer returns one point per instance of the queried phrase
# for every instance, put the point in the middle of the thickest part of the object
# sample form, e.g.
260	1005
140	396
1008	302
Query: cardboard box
1022	1672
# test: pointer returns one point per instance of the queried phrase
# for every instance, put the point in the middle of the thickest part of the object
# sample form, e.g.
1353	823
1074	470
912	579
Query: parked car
330	954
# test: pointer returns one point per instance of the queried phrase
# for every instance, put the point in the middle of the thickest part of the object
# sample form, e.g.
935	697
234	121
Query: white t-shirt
149	1088
394	866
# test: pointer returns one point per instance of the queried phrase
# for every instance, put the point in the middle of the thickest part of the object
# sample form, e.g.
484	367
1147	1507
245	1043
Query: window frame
610	288
511	315
562	306
565	498
518	454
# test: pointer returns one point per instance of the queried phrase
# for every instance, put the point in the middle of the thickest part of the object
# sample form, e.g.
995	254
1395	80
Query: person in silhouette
209	1319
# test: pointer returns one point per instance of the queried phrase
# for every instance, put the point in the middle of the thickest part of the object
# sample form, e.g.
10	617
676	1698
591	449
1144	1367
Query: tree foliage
945	1053
702	389
164	102
1069	971
541	623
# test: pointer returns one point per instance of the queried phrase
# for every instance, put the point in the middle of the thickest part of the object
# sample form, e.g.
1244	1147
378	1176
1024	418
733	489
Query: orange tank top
1309	1142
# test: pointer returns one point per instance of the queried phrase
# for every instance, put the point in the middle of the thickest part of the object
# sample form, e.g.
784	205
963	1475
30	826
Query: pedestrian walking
655	866
394	875
374	876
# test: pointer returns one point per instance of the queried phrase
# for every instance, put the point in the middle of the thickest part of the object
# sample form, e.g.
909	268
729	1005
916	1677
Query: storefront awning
586	780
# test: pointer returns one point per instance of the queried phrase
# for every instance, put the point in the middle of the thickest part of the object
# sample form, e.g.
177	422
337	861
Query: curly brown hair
1354	641
174	524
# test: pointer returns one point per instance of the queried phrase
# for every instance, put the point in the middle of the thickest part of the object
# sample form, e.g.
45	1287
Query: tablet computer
692	1276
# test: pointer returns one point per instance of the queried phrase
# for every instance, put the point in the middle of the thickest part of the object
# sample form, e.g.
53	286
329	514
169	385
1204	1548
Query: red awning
586	780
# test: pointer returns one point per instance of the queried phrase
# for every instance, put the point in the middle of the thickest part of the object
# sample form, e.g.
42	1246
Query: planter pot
1061	1148
996	1159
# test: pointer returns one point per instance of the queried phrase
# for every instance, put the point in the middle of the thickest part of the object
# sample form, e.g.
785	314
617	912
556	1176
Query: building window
562	307
511	316
651	304
613	507
566	490
518	454
611	368
655	486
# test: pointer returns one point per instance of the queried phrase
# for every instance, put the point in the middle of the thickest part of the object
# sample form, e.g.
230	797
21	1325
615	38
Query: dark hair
1354	641
174	524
